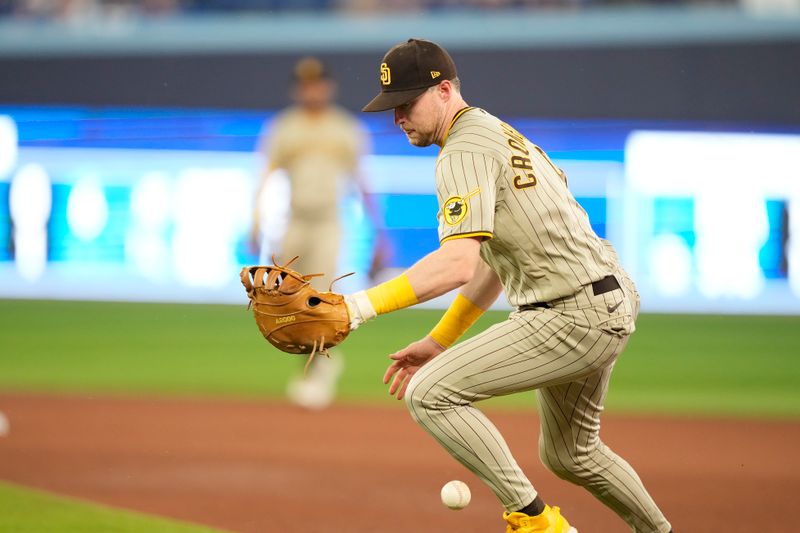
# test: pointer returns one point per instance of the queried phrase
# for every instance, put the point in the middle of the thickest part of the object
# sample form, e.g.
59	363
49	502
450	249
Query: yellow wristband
456	320
392	295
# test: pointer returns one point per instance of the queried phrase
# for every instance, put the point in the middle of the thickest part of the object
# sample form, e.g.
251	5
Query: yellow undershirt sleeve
392	295
456	320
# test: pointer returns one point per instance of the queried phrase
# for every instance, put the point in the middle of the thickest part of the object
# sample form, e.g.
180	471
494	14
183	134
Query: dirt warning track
257	467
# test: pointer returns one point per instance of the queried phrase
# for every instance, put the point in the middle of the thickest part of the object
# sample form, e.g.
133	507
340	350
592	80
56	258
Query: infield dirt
253	466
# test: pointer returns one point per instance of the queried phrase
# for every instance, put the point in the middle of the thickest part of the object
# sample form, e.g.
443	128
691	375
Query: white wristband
360	308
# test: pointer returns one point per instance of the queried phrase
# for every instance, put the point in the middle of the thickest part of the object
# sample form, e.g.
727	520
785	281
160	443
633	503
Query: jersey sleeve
466	191
274	143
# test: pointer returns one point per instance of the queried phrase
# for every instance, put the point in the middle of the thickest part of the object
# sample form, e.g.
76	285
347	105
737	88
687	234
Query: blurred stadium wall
672	63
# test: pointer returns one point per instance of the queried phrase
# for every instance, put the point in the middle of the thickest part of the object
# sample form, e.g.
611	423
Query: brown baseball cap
309	69
407	70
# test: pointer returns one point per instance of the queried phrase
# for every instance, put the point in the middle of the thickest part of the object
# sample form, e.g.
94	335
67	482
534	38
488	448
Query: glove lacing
322	350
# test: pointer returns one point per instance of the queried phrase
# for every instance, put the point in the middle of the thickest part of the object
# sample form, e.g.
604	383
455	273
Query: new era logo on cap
408	69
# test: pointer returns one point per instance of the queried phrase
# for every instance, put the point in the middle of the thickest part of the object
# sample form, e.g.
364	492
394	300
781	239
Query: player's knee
424	398
417	399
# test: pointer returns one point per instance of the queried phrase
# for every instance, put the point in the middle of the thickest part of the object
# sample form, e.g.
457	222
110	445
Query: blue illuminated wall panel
5	224
190	151
772	257
674	216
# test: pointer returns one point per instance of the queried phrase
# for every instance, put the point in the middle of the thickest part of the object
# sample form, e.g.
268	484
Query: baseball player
507	222
319	145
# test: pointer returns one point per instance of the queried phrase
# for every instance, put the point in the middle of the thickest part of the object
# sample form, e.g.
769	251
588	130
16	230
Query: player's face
420	119
314	94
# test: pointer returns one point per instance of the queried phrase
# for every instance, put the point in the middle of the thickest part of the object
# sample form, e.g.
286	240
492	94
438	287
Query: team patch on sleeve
456	208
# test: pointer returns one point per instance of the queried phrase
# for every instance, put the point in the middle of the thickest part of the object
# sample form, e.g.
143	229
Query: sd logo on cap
407	70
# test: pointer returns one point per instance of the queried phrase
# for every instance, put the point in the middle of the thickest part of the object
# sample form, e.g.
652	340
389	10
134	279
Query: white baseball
4	425
455	495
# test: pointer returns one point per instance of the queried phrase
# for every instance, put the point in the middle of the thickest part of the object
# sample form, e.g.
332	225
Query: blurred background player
319	145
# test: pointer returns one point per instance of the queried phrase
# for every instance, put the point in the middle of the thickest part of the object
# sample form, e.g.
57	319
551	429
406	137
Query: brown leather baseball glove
292	315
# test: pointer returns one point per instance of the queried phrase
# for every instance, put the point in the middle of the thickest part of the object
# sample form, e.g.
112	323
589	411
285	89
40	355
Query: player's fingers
390	371
402	392
397	382
399	355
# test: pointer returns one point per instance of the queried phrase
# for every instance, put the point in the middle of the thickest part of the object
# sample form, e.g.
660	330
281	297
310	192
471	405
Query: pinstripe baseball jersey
493	182
316	151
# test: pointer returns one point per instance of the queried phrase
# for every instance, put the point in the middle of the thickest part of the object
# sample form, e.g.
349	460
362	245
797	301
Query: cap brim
390	99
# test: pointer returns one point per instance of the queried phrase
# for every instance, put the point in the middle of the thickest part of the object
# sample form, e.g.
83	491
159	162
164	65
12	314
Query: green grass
733	365
740	365
30	511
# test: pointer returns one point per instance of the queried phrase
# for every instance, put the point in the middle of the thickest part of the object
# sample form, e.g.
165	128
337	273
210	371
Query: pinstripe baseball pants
566	353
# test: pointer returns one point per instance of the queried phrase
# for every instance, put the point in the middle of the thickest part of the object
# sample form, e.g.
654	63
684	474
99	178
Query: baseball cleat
550	521
317	390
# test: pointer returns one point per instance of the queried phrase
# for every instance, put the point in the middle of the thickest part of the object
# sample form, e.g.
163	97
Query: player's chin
416	140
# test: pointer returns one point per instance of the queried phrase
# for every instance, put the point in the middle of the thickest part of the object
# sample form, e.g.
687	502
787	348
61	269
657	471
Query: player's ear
445	90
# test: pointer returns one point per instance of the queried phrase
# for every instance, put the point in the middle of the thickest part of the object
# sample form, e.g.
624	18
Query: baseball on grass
455	495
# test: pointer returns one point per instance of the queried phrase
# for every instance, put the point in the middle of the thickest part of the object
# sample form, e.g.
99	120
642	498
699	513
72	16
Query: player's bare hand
407	362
